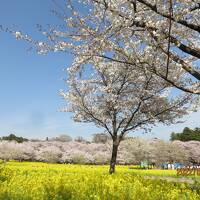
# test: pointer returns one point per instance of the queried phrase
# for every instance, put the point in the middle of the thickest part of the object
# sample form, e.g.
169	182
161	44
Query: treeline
131	151
96	138
13	137
186	135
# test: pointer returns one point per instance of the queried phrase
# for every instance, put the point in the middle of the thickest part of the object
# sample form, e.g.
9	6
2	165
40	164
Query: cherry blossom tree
192	149
167	152
120	99
167	30
162	36
137	150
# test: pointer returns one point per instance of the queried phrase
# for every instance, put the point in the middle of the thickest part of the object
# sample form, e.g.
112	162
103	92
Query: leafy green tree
186	135
13	137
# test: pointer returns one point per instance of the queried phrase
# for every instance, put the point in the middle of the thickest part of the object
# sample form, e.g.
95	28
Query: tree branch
180	21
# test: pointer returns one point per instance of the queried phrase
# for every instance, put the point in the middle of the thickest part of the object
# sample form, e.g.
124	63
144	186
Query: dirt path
171	179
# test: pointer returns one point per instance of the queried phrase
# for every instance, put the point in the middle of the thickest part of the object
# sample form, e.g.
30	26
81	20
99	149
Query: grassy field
40	181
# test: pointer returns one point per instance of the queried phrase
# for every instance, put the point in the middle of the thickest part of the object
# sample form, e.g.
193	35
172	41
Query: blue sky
30	83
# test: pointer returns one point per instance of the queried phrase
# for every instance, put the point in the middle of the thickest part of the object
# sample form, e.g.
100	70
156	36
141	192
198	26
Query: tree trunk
114	156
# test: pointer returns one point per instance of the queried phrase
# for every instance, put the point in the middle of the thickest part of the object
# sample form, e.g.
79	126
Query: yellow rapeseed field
40	181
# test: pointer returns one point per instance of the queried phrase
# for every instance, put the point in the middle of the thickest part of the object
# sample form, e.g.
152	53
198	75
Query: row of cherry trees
131	151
